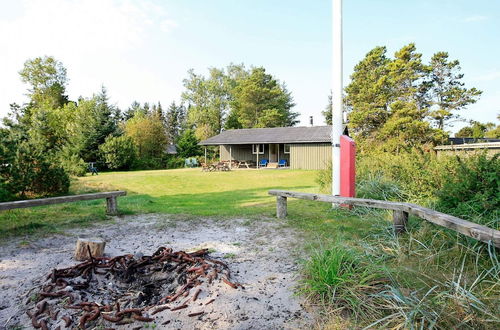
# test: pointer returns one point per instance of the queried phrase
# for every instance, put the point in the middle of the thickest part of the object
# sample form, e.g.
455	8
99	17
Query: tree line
402	102
51	137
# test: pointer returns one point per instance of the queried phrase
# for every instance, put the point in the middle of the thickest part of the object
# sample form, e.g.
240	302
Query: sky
141	50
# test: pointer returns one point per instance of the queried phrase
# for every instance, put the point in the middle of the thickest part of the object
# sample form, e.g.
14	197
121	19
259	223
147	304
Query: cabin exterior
300	147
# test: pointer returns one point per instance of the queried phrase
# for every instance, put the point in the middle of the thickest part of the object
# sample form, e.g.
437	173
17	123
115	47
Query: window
287	149
258	149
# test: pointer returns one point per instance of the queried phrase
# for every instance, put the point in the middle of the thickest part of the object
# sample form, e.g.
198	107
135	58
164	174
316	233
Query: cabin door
273	153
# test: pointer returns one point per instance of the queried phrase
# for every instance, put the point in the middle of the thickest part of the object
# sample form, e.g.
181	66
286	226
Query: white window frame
254	151
284	148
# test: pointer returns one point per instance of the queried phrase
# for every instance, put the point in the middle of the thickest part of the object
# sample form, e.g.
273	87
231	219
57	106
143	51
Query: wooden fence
111	203
400	214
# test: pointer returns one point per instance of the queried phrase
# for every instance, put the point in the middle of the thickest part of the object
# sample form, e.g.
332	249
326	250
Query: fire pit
125	289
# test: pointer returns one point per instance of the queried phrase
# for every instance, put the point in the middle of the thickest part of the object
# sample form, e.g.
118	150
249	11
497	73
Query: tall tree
369	93
148	133
47	79
175	119
208	101
260	100
448	92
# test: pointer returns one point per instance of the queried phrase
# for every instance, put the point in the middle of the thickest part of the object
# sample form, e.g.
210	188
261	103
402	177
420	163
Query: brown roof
311	134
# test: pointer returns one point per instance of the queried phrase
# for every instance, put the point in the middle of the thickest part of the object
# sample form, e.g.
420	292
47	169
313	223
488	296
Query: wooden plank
59	200
343	200
471	229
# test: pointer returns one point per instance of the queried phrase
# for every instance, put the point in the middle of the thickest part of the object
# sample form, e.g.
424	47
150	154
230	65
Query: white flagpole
336	93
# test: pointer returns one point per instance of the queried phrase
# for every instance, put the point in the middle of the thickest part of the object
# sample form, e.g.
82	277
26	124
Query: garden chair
263	162
194	162
187	162
282	163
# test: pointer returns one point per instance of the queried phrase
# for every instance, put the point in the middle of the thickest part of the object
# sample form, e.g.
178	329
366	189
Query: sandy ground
261	255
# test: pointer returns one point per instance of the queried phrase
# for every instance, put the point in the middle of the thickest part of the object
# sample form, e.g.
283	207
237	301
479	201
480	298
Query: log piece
96	246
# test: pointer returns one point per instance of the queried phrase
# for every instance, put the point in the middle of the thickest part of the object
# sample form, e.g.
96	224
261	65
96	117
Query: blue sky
141	50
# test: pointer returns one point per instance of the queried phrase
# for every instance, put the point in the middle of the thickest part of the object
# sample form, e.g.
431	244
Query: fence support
281	211
400	219
111	206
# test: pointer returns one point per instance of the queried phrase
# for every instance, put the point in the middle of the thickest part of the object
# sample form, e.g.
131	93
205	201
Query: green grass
181	191
357	270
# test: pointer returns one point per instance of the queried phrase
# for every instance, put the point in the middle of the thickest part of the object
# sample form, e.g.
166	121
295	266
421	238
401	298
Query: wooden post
230	157
258	145
205	155
281	211
111	206
95	245
400	219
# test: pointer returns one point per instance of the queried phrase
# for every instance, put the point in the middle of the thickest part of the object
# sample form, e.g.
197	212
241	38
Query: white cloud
95	40
475	18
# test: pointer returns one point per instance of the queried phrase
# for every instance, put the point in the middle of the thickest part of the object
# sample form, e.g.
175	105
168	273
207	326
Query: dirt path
261	255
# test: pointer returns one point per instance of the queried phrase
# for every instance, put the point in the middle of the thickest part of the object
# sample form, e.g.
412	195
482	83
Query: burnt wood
401	211
110	196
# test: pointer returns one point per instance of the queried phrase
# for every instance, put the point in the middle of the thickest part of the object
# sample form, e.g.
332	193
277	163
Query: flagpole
336	93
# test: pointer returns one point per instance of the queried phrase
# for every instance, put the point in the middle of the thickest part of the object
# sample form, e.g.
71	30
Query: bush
472	187
5	195
118	152
188	146
35	172
72	163
175	162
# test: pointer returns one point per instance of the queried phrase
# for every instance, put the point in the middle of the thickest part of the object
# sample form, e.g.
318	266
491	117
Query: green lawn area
356	262
182	191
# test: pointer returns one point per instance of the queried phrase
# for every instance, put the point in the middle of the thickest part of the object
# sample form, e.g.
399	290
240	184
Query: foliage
71	162
149	137
34	172
236	98
260	100
175	121
47	79
401	102
447	92
118	152
477	130
472	187
175	162
208	101
89	123
187	146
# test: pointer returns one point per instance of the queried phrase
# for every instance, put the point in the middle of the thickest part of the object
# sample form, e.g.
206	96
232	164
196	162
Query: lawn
428	276
241	193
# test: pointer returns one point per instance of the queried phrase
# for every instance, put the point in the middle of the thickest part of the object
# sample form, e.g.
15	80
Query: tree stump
96	246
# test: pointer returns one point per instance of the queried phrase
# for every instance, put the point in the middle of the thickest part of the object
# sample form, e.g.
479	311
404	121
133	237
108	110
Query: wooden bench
111	203
400	214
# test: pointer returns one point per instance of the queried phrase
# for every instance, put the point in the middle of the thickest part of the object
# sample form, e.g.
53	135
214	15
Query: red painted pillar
347	167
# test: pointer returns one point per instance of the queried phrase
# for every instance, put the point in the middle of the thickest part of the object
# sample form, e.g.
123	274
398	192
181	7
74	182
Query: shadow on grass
44	219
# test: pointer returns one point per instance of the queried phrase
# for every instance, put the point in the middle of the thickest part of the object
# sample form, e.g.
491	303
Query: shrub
175	162
119	152
72	163
187	146
472	187
35	172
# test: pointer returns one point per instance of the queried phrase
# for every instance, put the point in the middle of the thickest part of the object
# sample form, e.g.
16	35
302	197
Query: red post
347	167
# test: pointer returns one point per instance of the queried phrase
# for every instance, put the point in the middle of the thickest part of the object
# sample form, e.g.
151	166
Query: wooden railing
400	214
111	203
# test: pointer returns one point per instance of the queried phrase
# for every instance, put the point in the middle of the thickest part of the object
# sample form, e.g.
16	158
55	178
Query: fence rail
111	203
400	214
